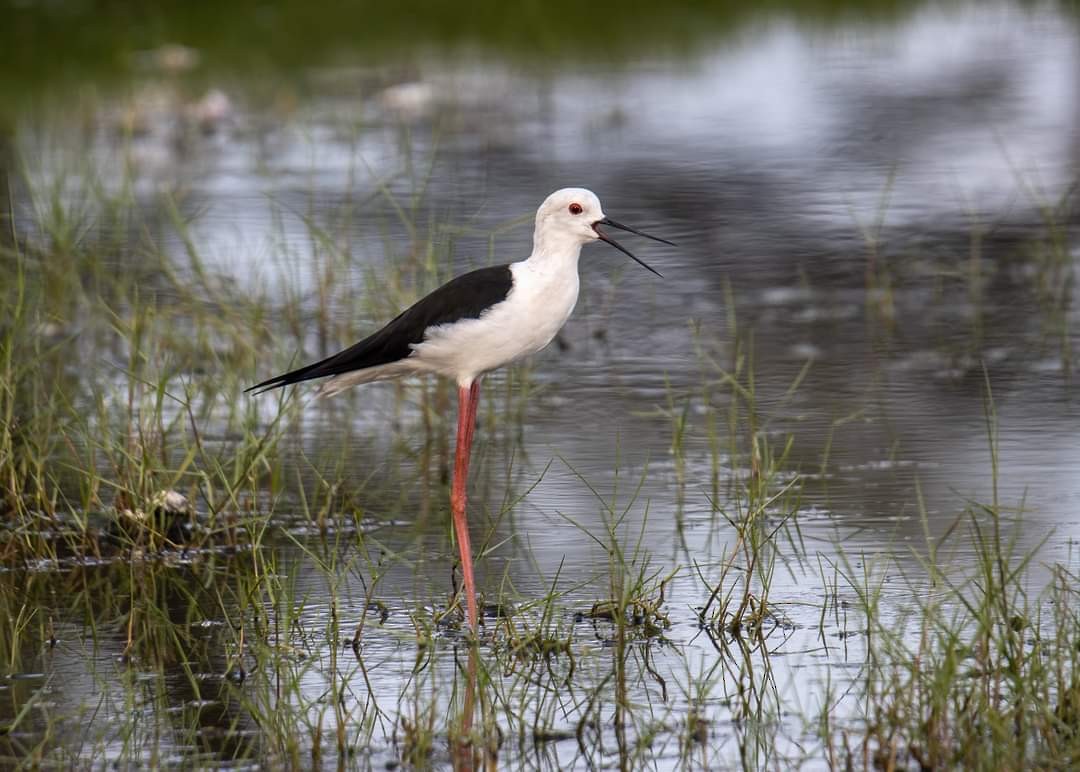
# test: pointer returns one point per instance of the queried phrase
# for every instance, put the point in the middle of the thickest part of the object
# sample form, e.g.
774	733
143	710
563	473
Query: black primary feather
464	297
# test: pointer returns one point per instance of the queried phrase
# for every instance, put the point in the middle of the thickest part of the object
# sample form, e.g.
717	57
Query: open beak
612	224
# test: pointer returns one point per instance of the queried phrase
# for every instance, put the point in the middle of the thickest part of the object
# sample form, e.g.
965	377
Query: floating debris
211	112
168	516
411	101
170	59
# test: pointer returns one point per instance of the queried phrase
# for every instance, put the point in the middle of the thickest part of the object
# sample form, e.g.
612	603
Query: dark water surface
878	210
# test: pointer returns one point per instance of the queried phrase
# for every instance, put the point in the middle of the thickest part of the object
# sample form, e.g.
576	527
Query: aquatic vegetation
705	571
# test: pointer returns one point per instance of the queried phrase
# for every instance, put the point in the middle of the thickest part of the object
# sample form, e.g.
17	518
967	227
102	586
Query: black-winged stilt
476	323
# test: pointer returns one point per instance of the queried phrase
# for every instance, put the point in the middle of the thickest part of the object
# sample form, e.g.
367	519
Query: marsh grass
979	672
285	616
1055	278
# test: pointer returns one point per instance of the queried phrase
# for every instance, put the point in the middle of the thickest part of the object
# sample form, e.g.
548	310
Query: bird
476	323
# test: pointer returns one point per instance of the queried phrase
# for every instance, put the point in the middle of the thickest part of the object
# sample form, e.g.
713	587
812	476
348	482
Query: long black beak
604	237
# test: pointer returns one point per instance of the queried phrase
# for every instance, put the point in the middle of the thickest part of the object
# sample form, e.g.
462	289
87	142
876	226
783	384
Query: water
867	201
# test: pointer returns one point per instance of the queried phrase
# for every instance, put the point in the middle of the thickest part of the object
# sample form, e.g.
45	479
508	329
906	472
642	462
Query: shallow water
865	203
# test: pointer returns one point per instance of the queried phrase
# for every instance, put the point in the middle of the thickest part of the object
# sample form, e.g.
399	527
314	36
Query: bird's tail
373	353
300	374
339	380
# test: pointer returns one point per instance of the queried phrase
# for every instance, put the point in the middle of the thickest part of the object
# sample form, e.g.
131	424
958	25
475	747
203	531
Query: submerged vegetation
193	577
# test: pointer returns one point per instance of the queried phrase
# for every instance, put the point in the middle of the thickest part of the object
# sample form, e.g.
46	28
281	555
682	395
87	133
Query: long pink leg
468	400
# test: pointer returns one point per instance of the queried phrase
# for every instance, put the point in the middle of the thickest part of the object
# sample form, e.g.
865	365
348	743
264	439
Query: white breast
538	305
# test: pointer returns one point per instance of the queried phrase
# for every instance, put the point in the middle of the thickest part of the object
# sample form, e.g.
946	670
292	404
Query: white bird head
570	218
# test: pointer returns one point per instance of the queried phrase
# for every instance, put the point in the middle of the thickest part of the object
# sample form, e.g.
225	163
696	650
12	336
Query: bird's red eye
575	209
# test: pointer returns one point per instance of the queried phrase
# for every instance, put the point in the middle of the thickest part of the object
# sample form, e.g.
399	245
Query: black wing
465	297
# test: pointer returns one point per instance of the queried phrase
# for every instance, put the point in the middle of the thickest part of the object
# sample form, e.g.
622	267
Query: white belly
530	317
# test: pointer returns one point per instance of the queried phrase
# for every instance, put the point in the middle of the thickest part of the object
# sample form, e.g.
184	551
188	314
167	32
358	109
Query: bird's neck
555	253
